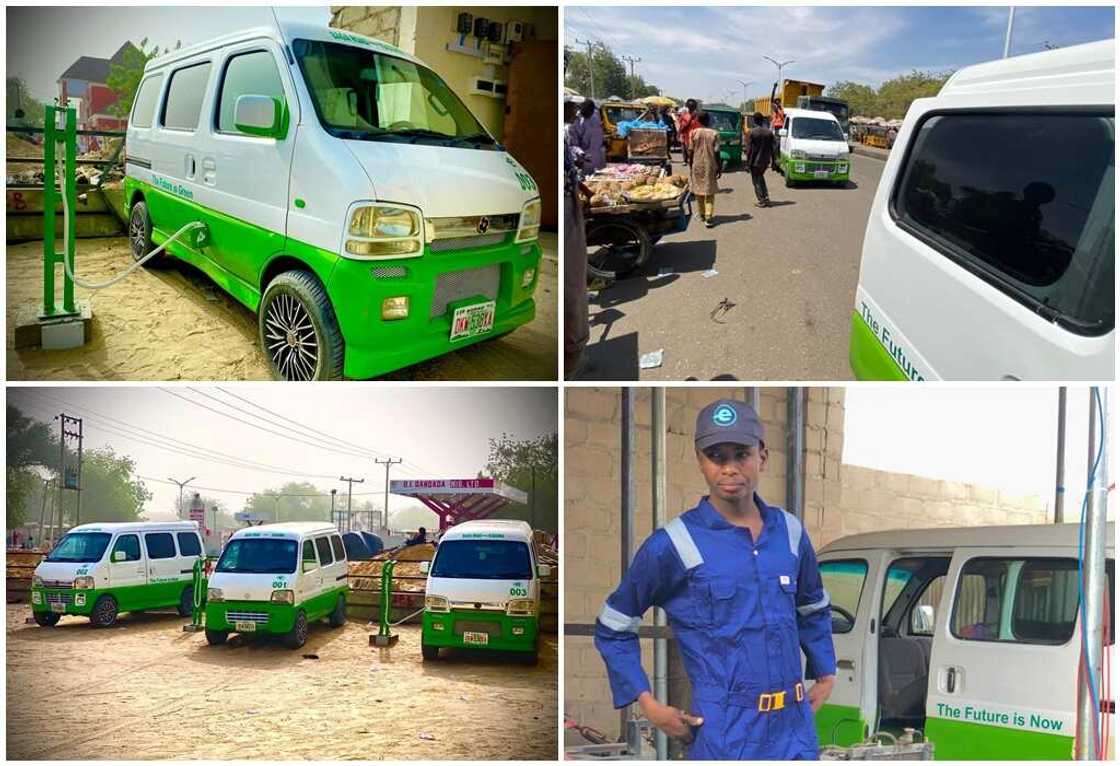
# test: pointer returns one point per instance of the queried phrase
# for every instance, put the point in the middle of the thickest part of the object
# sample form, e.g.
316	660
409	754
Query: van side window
184	97
923	615
160	545
309	554
844	582
144	105
324	546
130	544
1025	201
1031	601
189	545
252	74
339	548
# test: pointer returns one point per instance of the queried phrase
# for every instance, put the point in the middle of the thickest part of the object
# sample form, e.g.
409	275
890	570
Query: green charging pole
199	599
67	134
384	636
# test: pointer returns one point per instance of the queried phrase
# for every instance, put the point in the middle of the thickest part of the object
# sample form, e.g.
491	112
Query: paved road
790	271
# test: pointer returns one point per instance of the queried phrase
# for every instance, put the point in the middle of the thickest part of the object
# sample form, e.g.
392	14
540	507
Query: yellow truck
802	94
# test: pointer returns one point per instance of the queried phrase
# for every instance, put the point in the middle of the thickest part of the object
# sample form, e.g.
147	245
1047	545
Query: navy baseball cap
728	421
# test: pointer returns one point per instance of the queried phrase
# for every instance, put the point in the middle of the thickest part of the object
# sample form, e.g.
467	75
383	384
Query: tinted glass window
160	545
336	547
189	545
324	546
81	547
184	97
309	553
1025	199
144	105
1031	601
259	556
816	129
252	74
844	582
483	560
129	545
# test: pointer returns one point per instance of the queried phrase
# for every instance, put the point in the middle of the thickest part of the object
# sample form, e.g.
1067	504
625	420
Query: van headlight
384	231
83	583
436	604
283	597
521	607
799	154
214	594
529	227
36	581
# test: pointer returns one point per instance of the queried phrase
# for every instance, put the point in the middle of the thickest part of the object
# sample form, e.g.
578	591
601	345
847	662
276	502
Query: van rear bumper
504	633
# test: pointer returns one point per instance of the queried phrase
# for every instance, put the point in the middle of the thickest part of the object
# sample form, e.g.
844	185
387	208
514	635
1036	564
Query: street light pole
745	84
779	64
181	485
1007	38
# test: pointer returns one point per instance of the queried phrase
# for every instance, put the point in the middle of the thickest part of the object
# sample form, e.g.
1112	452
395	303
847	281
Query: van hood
496	593
66	571
250	587
445	181
834	149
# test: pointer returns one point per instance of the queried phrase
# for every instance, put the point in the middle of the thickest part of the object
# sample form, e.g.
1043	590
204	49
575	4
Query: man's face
732	470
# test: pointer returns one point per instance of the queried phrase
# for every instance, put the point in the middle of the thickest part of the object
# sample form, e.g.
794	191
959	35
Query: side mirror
782	132
119	555
262	116
425	567
543	570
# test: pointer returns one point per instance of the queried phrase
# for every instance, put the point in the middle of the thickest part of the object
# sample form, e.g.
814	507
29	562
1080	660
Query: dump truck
801	94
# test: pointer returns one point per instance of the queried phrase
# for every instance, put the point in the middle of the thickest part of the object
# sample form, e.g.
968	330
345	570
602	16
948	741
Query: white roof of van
945	538
490	528
1078	66
290	529
138	526
811	113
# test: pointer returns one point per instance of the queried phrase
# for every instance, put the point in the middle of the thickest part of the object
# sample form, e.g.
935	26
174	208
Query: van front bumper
265	616
375	346
807	170
503	632
64	601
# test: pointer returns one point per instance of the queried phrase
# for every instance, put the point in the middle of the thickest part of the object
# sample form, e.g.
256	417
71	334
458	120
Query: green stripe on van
868	358
958	740
841	725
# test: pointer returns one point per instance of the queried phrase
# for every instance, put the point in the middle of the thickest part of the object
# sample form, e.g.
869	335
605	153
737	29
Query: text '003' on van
989	251
101	570
348	196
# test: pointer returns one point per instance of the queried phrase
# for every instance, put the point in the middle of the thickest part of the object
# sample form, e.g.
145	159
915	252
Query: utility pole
181	485
73	432
1060	473
779	64
590	66
385	509
631	61
745	84
334	521
1007	38
349	496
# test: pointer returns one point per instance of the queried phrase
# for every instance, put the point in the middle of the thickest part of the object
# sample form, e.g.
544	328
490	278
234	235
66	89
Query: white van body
928	307
813	159
966	633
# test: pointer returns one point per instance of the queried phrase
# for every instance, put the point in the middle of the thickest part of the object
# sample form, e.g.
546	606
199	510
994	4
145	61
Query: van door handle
952	676
845	664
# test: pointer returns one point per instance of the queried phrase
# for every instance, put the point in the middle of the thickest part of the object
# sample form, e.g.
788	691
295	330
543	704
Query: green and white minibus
278	579
483	589
101	570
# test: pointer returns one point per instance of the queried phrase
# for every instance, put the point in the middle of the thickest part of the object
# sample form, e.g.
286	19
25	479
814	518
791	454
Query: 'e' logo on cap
725	415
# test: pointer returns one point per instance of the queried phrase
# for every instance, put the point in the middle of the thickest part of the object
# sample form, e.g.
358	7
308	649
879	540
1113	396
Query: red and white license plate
473	320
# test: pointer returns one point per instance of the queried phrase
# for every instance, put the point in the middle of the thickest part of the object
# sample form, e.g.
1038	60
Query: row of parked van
482	589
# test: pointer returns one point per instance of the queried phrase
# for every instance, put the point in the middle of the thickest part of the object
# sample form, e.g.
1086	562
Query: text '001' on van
989	252
348	196
101	570
971	635
278	579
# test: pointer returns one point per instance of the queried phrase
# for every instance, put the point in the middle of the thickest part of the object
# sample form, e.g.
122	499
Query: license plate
245	627
821	173
470	321
56	607
480	639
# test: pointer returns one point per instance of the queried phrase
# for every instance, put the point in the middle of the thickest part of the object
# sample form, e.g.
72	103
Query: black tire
789	181
104	614
428	652
531	658
46	619
216	637
338	616
297	636
299	352
140	235
616	247
186	601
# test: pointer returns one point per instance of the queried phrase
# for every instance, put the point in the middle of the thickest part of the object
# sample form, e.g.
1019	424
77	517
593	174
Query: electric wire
261	493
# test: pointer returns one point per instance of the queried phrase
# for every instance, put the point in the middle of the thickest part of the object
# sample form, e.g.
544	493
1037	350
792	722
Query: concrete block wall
382	22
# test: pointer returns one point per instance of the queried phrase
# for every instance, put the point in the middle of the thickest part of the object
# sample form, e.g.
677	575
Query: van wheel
429	652
104	614
532	657
789	181
140	234
216	637
298	329
186	602
338	616
297	636
46	619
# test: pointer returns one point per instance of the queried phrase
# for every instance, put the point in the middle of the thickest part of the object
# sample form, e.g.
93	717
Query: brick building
85	80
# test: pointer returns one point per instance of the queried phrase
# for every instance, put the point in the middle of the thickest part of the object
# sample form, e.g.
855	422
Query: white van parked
813	148
989	251
103	569
971	635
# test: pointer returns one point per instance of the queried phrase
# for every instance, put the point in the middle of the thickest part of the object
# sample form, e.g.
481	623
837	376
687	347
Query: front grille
462	227
492	629
824	157
812	167
462	243
257	617
457	285
60	598
389	272
66	584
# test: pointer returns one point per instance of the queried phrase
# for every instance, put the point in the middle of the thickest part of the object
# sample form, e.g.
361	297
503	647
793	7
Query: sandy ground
173	323
147	690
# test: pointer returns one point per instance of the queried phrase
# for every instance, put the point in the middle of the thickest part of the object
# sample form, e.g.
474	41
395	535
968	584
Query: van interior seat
903	677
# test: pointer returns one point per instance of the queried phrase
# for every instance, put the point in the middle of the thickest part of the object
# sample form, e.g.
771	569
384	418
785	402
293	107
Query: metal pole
795	450
61	465
385	508
1060	472
626	536
1007	39
78	500
590	65
43	513
334	492
660	644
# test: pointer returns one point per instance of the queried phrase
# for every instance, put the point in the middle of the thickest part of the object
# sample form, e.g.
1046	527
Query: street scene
750	196
370	193
392	598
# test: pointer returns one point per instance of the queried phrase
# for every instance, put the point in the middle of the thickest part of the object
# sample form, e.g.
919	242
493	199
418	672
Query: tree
294	501
124	78
31	451
110	490
860	97
23	108
893	97
529	465
611	77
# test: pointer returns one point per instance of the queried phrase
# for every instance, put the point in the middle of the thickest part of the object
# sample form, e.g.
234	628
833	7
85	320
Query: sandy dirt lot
146	690
173	323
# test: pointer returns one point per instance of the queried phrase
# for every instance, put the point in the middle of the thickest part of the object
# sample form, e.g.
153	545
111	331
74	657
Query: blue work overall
742	611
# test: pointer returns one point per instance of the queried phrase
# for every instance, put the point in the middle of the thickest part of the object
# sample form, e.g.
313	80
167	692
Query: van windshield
483	560
363	95
259	556
820	130
724	121
81	547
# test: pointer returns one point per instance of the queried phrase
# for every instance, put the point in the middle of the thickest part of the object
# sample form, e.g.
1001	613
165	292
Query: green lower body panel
960	740
869	359
267	617
503	633
841	725
80	602
806	170
731	155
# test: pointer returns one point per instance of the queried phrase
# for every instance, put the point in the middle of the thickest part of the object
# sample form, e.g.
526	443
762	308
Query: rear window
184	97
160	545
144	105
324	546
189	545
1025	201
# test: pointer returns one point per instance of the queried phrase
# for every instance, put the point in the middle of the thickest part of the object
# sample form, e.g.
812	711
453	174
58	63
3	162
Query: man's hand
670	720
820	691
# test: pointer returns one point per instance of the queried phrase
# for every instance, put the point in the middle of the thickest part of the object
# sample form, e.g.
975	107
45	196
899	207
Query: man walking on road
685	125
760	155
704	149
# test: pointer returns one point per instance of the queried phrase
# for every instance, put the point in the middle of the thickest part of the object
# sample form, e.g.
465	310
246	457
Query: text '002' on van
813	147
278	579
483	590
971	635
101	570
989	251
349	197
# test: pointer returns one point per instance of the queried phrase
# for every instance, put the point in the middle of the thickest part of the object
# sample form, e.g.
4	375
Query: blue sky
702	52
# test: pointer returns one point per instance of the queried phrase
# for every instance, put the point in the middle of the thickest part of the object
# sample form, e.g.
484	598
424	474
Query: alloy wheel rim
136	234
290	338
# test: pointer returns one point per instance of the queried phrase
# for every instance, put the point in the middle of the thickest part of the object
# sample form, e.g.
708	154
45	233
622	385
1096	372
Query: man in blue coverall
739	582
